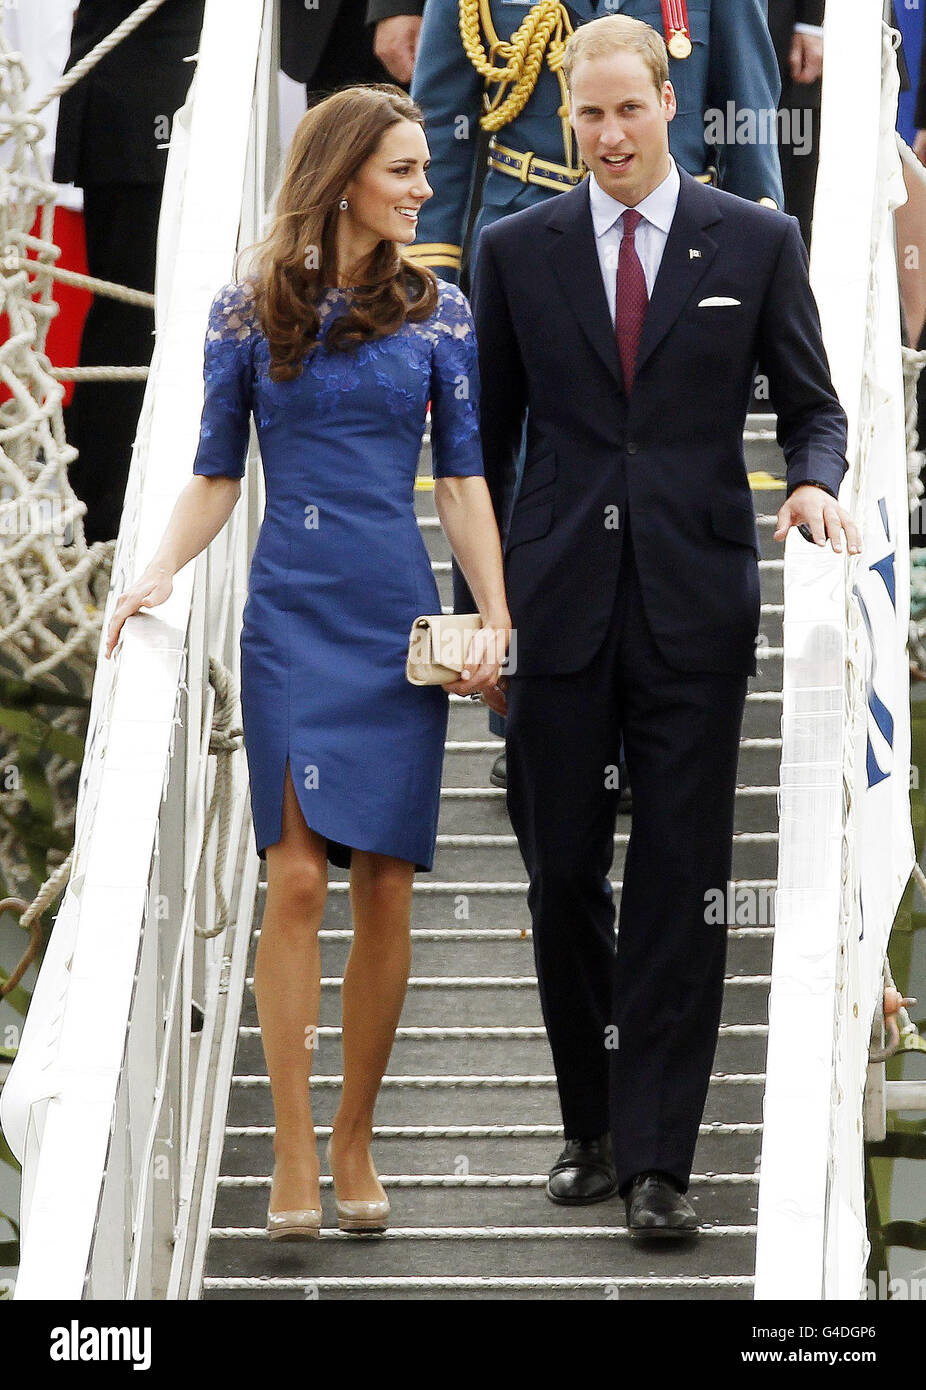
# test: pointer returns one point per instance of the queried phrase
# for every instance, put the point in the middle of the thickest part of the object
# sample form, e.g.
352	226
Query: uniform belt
530	168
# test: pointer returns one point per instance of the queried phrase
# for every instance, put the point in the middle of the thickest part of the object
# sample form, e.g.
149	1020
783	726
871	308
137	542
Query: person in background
112	136
328	46
720	53
397	29
796	27
344	752
635	475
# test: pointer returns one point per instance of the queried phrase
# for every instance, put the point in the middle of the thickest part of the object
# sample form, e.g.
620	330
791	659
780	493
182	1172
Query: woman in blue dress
336	343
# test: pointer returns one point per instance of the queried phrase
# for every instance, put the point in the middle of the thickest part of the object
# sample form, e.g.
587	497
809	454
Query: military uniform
533	152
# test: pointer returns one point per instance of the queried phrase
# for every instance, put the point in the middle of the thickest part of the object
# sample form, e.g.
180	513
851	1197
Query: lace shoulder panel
231	314
453	316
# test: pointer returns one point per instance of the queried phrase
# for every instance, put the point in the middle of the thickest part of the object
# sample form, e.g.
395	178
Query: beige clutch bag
437	646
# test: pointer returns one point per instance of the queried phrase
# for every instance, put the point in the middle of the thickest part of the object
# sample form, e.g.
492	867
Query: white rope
99	373
42	269
913	363
224	740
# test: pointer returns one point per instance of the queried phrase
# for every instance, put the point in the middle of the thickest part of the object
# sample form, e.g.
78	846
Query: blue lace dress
340	569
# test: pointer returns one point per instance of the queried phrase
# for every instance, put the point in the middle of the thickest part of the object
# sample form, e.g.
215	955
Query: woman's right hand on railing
155	585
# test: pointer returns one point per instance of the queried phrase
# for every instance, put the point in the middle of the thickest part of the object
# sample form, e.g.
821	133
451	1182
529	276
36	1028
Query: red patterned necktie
632	298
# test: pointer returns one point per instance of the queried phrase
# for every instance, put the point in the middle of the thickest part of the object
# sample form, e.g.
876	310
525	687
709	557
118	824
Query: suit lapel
574	258
688	253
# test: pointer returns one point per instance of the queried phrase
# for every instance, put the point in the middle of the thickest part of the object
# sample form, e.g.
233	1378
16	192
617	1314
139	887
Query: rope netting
52	585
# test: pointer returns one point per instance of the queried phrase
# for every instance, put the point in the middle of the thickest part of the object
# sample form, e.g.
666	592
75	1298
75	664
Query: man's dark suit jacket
107	129
328	46
673	454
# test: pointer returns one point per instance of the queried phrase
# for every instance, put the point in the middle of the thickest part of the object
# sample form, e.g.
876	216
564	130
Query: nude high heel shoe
360	1218
303	1223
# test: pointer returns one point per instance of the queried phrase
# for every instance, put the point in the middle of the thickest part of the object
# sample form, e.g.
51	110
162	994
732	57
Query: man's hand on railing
152	587
811	507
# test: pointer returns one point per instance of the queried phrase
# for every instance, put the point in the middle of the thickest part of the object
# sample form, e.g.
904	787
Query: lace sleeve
456	449
225	425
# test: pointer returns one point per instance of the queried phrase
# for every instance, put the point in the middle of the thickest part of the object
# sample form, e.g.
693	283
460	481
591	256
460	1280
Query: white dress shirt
657	210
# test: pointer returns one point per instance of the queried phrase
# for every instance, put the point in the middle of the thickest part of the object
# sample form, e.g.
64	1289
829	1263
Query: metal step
468	1121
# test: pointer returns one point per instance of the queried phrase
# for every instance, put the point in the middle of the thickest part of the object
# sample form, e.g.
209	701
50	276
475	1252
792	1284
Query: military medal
675	23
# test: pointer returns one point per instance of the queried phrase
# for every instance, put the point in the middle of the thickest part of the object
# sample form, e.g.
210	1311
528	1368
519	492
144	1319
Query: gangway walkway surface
467	1120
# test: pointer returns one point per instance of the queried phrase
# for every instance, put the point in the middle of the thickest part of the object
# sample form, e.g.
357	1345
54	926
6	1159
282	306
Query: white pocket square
718	302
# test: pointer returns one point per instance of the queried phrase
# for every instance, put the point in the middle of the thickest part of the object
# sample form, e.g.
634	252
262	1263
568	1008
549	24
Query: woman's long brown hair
297	258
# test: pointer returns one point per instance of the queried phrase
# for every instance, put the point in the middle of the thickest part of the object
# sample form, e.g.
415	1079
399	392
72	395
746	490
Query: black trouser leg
561	735
121	222
681	737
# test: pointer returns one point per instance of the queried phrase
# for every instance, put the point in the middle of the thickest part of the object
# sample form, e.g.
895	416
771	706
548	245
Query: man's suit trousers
121	223
633	1029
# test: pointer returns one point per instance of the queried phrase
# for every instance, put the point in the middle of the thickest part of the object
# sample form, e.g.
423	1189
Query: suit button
632	447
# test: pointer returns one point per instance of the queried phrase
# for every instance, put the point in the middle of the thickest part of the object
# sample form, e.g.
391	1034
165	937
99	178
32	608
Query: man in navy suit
626	317
720	54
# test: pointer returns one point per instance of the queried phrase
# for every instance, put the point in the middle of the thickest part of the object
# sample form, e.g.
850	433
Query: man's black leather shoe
655	1208
583	1173
499	774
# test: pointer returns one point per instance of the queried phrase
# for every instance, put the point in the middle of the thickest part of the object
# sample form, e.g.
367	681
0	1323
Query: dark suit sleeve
812	425
502	396
809	12
388	9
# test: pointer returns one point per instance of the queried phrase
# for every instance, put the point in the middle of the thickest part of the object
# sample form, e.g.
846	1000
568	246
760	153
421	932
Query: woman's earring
343	204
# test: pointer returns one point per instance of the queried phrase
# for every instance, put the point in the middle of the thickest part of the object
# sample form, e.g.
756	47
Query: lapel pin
694	254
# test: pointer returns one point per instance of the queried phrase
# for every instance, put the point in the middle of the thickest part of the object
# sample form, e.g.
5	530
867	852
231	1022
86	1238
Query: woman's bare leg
287	971
375	981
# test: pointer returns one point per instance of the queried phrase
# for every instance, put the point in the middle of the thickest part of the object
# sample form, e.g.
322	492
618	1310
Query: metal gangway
138	1102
